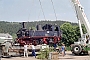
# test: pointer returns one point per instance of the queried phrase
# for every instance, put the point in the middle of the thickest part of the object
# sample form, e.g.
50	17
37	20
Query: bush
44	54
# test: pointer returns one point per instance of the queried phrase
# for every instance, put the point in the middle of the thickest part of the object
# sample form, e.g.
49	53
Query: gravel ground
68	56
20	58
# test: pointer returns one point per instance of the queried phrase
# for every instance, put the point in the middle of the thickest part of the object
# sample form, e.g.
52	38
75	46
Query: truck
5	42
79	47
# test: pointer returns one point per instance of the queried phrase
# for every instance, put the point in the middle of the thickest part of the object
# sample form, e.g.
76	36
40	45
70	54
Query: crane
78	47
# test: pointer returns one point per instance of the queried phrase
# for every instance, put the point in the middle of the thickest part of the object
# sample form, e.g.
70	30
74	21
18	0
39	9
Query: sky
31	10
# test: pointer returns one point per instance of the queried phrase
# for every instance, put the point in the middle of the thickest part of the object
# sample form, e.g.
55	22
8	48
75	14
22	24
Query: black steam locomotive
43	34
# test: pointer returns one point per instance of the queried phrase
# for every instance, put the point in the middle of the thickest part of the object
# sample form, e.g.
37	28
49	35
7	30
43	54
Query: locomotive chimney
23	24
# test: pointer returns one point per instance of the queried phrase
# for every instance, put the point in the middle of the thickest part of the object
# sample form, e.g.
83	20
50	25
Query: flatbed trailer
17	50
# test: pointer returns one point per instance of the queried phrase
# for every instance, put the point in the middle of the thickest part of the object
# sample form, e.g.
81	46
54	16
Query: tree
70	33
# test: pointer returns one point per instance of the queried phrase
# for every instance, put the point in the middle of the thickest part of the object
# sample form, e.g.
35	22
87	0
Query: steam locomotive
46	34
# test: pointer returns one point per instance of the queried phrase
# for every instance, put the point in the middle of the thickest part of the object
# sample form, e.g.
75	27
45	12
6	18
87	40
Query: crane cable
29	15
29	12
54	9
42	9
38	15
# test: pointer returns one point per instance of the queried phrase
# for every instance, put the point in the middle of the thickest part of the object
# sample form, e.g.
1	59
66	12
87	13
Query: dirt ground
68	56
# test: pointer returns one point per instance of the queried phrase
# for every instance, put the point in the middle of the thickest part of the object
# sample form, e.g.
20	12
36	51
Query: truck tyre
76	49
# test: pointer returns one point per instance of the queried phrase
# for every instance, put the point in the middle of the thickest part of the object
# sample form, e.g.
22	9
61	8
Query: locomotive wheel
76	49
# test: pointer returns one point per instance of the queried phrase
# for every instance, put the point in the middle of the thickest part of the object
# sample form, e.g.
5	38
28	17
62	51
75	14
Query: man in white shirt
25	50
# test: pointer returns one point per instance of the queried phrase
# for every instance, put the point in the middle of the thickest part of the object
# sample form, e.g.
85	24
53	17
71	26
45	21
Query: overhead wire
42	9
54	9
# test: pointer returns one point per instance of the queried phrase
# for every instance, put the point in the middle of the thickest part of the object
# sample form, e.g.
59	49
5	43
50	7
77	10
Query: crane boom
78	48
81	15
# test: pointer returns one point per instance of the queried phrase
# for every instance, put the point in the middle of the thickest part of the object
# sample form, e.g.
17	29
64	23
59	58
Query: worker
33	50
55	46
25	50
63	50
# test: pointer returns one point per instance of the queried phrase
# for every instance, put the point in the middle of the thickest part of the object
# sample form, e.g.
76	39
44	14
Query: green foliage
68	48
44	54
69	33
9	27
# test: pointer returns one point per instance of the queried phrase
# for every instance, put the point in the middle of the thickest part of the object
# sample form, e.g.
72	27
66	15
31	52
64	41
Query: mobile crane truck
79	47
